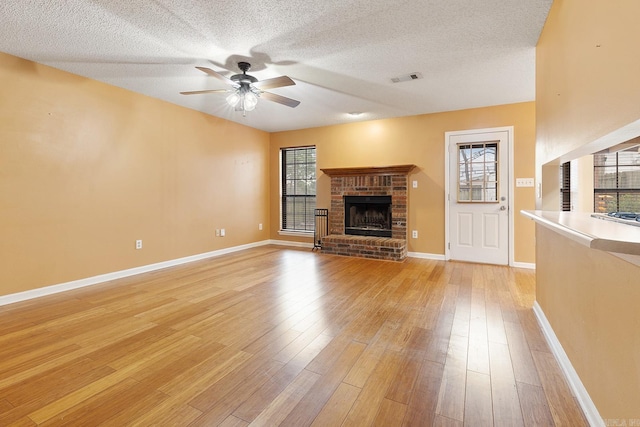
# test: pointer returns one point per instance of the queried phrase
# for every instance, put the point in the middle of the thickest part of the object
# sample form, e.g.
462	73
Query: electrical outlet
222	232
414	234
259	226
217	232
138	244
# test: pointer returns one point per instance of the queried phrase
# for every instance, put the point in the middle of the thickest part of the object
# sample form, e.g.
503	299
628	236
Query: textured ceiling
342	54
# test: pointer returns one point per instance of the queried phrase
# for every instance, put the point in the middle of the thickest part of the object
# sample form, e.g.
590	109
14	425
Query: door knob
503	208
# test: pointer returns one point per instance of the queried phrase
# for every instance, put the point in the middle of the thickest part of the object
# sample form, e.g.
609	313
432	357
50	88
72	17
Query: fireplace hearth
367	216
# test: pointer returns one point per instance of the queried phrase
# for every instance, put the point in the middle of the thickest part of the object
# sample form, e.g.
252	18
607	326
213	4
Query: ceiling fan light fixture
233	99
243	99
249	100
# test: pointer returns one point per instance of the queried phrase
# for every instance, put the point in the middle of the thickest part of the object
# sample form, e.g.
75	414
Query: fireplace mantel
369	170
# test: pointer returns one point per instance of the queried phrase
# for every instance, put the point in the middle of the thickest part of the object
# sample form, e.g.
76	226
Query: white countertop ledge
592	232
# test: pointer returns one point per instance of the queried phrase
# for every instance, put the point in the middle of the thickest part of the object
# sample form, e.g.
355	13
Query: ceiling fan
247	89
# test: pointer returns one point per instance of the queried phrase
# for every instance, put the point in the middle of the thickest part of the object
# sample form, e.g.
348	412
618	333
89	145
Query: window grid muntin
616	181
478	172
298	188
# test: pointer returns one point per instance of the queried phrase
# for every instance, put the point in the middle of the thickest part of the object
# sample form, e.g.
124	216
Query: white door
478	196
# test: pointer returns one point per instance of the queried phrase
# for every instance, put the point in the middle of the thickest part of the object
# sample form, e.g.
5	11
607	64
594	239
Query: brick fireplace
373	182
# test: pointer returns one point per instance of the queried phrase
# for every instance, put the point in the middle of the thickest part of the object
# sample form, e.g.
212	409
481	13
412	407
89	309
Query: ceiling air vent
407	77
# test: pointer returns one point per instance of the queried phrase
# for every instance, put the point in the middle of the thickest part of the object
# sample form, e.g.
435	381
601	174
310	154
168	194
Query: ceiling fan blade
274	83
216	75
280	99
197	92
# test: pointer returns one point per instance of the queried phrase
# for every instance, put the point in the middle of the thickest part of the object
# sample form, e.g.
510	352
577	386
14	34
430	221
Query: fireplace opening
367	215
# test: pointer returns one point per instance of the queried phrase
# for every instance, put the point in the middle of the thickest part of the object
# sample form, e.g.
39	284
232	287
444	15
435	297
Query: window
478	172
616	181
565	191
298	169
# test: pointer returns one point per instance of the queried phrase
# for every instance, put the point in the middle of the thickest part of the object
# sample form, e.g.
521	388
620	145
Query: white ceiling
342	54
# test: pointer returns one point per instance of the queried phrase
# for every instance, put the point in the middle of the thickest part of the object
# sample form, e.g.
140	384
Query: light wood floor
273	336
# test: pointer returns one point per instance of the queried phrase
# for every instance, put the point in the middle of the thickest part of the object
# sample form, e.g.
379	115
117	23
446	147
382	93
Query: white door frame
447	136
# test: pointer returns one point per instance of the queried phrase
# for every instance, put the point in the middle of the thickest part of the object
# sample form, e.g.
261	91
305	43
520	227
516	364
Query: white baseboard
439	257
62	287
528	265
424	255
290	243
582	396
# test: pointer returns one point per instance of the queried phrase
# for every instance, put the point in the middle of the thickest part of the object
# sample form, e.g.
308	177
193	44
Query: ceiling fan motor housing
244	77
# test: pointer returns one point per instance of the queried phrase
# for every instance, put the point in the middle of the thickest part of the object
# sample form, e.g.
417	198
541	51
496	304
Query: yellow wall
416	140
87	168
588	85
590	299
587	74
582	190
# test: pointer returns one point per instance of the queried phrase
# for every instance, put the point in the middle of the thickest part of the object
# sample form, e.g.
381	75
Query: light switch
415	184
524	182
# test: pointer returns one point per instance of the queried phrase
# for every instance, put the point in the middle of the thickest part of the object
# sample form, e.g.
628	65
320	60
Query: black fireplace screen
367	215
